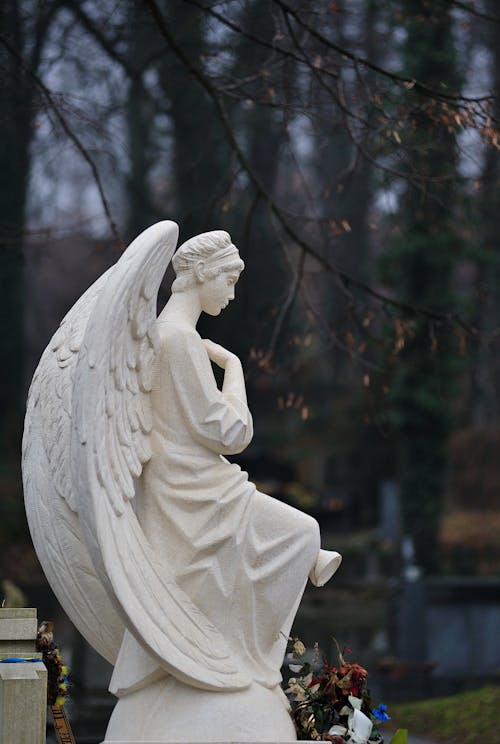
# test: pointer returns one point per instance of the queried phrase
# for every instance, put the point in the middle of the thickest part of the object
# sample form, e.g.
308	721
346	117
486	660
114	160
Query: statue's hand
218	354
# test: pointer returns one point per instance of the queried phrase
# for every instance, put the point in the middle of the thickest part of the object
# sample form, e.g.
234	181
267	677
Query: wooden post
23	684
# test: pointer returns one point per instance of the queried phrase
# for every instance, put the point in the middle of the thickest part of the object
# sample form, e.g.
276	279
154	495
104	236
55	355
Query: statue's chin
170	711
213	313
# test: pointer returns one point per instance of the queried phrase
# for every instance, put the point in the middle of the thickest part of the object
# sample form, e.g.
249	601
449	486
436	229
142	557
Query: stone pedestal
23	686
170	711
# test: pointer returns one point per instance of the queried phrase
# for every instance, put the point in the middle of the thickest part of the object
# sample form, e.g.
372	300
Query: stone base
169	711
23	686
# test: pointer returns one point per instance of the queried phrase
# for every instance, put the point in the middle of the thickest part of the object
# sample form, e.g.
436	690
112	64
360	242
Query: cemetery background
351	151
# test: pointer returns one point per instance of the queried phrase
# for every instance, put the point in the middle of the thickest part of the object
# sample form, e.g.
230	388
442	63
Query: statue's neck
182	307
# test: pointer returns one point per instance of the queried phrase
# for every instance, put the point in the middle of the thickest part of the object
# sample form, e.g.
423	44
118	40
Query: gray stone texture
23	686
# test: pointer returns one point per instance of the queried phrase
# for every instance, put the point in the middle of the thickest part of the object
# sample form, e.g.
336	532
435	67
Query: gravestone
463	620
23	684
390	511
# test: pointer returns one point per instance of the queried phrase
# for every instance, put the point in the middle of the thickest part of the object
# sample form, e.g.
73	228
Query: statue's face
215	294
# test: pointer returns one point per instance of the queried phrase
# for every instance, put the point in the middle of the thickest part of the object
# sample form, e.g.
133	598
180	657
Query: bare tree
288	122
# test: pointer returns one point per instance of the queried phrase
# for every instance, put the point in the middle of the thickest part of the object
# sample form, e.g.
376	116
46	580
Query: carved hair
214	249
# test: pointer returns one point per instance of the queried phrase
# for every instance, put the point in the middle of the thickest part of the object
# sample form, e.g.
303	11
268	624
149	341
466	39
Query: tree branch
346	279
93	29
401	79
49	97
472	11
285	308
251	37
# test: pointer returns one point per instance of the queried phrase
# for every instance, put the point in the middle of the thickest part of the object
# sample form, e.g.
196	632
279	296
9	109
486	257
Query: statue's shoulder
177	335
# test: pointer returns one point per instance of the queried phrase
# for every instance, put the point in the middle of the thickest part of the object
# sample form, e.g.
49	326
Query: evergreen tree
419	265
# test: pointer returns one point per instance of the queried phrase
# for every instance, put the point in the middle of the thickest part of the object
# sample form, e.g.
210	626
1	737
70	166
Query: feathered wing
109	448
50	496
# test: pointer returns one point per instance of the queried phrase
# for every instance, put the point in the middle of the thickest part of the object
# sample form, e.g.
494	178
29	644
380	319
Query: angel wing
50	498
110	445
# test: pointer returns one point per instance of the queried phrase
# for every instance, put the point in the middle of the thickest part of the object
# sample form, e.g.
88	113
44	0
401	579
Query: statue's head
210	265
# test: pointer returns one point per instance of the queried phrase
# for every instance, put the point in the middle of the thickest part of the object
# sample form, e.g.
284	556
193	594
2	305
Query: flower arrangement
57	673
332	702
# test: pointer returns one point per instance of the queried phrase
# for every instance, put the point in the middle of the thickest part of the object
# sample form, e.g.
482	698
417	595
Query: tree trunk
140	123
16	119
484	394
199	153
423	259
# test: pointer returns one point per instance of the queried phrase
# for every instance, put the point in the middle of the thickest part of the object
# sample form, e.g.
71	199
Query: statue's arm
234	382
219	419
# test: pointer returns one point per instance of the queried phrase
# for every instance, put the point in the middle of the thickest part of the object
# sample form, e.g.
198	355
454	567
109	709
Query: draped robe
241	556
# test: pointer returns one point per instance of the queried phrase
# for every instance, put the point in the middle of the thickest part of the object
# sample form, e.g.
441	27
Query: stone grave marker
23	684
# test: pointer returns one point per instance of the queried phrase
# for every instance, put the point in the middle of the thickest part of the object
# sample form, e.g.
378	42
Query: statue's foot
326	564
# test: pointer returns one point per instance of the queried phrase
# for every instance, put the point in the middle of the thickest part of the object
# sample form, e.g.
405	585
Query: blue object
380	713
17	660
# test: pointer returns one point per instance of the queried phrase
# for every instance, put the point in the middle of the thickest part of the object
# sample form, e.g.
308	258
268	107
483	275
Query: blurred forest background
351	149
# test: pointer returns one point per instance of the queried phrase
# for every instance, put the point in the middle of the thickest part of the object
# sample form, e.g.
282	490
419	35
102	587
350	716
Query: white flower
360	727
337	730
355	702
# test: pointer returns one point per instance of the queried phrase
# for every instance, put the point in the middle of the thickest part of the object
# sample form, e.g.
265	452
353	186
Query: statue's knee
313	537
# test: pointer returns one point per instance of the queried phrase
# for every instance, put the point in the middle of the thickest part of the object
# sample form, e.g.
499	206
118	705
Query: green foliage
423	382
419	265
471	717
400	737
429	48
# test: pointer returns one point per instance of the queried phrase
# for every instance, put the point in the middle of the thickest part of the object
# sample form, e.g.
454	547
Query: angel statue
165	557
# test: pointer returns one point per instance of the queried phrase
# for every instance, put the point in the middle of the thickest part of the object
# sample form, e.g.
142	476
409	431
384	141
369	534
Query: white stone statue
166	558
